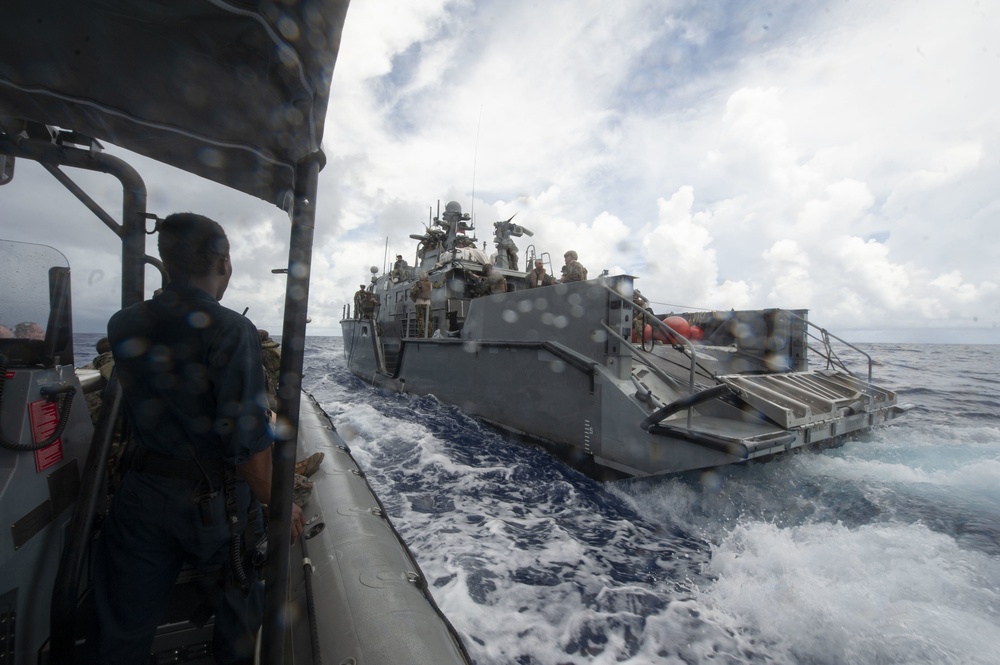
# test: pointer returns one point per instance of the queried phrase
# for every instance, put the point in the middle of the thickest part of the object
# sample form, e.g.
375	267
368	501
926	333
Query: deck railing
828	353
822	340
670	333
656	323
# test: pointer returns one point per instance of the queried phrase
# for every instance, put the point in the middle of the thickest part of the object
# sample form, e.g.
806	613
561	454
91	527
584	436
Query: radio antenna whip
475	157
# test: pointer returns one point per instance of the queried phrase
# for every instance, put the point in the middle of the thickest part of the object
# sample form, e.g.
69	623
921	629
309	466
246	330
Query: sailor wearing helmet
573	271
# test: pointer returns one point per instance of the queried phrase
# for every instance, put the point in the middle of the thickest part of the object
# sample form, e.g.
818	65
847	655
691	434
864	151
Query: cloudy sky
842	157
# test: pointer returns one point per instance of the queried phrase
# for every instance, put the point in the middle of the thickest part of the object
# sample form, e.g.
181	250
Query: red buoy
679	324
694	333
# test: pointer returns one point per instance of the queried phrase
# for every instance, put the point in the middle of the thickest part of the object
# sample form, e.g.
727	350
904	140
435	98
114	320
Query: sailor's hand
298	522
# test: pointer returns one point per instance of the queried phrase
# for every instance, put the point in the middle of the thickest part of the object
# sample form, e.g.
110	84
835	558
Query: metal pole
63	608
276	615
133	233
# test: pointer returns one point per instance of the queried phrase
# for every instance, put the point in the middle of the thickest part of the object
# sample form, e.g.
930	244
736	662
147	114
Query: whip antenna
475	157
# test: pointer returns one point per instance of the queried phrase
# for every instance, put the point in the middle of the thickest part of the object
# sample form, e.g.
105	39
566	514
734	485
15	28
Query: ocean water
883	550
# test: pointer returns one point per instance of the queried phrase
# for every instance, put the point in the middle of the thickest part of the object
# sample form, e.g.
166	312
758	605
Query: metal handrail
671	334
379	349
659	373
64	612
829	354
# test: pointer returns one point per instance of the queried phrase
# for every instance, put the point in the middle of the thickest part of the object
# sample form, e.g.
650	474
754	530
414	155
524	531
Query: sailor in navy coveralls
194	395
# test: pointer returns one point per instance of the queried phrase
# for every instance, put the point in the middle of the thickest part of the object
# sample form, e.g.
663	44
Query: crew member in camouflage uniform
270	355
494	281
371	302
359	298
538	276
491	282
638	316
104	362
506	249
364	303
399	269
573	271
420	293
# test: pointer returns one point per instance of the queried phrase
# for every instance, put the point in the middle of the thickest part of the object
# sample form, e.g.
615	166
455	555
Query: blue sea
883	550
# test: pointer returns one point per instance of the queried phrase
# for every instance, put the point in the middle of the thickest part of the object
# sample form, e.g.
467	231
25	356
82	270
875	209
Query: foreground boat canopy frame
235	92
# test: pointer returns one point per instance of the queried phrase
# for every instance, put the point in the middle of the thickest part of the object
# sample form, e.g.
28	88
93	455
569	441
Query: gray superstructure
558	364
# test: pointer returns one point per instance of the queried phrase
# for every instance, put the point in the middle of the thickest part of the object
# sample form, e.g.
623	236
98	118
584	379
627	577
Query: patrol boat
570	366
236	93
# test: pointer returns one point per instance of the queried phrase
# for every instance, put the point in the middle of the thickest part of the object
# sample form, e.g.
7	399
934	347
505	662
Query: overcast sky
842	157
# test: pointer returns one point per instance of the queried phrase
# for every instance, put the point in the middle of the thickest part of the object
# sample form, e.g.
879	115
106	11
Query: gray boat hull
555	364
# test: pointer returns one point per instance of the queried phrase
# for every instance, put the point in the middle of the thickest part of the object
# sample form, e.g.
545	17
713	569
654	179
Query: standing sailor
360	303
639	315
573	271
493	281
420	293
399	270
503	233
193	388
270	352
538	276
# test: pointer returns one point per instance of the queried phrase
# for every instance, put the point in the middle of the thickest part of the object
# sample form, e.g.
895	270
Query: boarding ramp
801	399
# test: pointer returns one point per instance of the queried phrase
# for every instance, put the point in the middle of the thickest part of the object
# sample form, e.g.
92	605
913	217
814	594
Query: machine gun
506	249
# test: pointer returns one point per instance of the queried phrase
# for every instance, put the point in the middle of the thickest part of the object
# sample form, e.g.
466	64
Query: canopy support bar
133	231
289	401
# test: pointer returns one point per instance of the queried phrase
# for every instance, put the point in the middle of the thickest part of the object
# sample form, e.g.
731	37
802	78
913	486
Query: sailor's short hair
190	244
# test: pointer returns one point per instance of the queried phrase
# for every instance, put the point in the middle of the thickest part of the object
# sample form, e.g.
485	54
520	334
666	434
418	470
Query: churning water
884	550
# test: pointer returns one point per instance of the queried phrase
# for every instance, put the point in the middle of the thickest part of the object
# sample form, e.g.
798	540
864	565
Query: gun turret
506	249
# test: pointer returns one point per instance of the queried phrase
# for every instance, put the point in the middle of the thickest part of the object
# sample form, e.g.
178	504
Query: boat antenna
385	256
475	158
